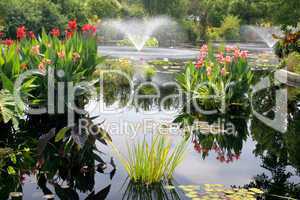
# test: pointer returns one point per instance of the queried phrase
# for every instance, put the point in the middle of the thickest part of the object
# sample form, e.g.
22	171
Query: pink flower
223	71
204	48
228	49
42	67
220	57
244	54
228	59
199	63
236	53
208	71
61	54
35	49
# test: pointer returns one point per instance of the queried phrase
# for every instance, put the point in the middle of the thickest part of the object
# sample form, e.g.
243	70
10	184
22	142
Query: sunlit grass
149	163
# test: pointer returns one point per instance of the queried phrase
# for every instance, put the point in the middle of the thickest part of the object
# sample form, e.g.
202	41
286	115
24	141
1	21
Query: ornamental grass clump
150	163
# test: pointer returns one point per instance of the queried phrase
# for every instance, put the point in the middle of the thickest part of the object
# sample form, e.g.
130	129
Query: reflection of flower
222	156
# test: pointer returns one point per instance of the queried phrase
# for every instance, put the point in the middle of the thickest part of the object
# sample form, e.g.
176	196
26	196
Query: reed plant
150	163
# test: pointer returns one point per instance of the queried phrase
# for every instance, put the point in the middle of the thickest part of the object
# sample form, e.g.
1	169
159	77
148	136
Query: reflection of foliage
156	191
228	146
110	77
278	151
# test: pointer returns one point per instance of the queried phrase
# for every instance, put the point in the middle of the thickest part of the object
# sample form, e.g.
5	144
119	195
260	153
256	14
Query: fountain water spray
138	31
265	33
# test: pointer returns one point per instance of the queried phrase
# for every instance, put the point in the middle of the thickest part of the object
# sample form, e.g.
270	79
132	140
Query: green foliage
133	10
217	78
151	42
288	44
31	13
292	62
150	163
8	108
111	78
230	28
104	8
150	71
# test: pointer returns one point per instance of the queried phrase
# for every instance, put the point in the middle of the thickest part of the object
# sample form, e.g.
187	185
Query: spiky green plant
150	163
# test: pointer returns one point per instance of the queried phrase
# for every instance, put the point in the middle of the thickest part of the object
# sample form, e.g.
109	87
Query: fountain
138	32
264	33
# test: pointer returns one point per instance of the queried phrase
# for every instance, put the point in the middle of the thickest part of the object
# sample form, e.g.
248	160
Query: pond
255	155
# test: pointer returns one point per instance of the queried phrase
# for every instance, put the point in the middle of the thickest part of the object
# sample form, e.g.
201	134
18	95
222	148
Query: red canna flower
72	24
1	34
31	35
69	34
8	42
21	32
88	27
55	32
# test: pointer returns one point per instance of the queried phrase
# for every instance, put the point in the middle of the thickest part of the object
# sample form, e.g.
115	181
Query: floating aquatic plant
151	163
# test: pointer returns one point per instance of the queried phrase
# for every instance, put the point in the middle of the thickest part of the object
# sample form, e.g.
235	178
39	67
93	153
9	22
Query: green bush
292	62
191	29
32	14
151	42
230	28
104	8
133	10
150	71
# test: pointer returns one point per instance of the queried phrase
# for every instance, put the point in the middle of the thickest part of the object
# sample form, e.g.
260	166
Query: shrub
215	78
76	55
149	163
33	14
288	44
230	28
292	62
151	42
191	29
104	8
123	65
150	71
133	10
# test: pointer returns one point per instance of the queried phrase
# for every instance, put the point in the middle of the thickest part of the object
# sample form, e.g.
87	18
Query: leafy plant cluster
73	54
216	77
151	42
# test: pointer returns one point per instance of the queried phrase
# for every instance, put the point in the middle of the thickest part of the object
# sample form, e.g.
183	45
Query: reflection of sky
193	170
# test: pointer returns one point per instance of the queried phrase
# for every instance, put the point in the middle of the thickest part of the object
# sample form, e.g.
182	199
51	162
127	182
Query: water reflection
157	191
